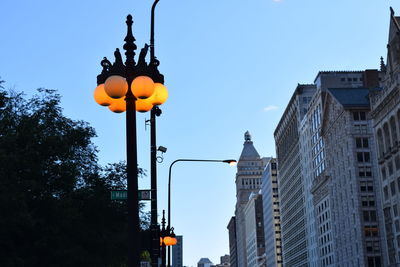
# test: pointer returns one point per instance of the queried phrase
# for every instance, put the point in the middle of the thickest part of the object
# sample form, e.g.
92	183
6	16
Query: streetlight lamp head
118	105
101	97
143	105
231	162
160	94
116	86
142	87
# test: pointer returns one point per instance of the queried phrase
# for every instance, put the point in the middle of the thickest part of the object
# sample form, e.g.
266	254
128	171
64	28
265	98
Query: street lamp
231	162
131	87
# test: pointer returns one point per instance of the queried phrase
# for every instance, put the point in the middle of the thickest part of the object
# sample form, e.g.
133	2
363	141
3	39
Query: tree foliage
55	207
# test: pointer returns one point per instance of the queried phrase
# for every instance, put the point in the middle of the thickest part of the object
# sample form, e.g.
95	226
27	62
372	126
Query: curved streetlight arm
229	161
152	55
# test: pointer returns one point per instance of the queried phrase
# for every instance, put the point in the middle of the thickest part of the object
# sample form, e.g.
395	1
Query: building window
393	188
363	157
359	116
383	172
361	142
386	192
390	167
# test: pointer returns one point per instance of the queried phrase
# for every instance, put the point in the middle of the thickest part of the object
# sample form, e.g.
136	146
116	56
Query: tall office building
248	180
254	228
177	252
291	181
386	118
232	242
204	262
272	220
341	169
323	192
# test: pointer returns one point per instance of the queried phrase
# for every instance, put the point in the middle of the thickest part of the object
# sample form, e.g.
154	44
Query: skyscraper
254	228
232	242
204	262
272	221
292	194
248	180
177	252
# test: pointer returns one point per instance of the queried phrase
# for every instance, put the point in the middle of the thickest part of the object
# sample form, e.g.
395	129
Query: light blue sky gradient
230	66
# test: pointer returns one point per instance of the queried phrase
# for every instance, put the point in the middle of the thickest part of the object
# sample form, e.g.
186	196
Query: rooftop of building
249	151
351	97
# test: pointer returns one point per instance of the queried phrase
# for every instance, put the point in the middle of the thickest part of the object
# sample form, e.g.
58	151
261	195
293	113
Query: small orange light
161	241
174	241
101	97
118	105
142	87
168	241
116	86
160	94
143	105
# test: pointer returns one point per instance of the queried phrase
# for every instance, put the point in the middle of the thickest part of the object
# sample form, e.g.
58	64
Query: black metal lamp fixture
133	87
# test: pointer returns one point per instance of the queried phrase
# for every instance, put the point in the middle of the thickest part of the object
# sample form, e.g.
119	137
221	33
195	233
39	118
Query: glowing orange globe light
118	105
174	241
142	87
160	94
116	86
101	97
143	105
168	241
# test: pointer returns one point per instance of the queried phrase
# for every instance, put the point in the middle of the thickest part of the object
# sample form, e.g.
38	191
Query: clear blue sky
230	66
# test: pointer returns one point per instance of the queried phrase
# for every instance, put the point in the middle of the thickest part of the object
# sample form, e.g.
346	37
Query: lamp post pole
131	152
155	111
128	87
229	161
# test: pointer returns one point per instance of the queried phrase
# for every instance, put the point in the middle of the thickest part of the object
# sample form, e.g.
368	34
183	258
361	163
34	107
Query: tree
54	197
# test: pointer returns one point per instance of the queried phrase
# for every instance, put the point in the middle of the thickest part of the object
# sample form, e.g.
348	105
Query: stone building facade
346	194
386	122
248	180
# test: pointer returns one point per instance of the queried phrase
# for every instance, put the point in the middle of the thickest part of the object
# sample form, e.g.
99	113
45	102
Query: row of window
352	79
393	189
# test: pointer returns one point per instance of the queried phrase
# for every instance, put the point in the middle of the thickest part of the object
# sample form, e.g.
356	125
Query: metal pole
169	191
155	244
132	176
163	252
155	235
131	152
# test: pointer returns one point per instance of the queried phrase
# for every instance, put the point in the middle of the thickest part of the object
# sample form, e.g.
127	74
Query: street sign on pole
119	195
144	195
123	195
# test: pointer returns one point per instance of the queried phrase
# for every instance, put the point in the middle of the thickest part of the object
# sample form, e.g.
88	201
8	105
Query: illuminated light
118	105
116	86
101	97
174	241
231	162
160	94
161	241
168	241
142	87
143	105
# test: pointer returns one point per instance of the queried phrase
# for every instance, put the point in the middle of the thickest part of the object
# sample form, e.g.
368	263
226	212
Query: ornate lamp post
169	229
131	87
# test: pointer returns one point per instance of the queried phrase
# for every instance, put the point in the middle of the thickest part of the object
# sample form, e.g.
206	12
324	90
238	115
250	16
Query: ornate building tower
248	180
